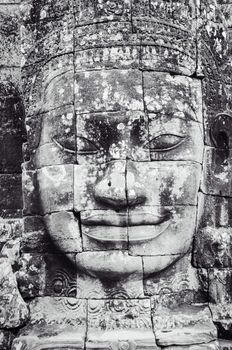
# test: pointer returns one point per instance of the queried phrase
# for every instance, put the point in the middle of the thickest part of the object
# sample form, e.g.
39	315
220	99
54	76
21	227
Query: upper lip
123	219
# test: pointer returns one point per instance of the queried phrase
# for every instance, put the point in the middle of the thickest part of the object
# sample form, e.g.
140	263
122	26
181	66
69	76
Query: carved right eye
165	142
85	146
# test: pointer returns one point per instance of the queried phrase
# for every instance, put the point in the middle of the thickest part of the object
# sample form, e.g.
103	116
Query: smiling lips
141	226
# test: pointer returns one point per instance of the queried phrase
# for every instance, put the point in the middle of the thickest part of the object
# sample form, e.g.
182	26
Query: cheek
169	183
56	188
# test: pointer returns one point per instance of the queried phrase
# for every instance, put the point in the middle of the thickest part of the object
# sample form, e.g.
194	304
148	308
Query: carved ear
221	131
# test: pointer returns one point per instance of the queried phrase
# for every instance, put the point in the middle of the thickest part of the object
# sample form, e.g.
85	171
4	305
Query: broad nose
136	192
118	187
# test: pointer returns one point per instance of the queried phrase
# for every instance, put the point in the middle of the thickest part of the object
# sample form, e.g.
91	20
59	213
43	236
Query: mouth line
122	220
111	227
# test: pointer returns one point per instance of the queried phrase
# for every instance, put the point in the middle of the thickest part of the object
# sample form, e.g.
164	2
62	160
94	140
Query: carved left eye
165	142
67	144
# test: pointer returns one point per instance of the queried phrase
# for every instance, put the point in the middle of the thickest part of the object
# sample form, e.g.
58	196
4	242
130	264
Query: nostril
109	183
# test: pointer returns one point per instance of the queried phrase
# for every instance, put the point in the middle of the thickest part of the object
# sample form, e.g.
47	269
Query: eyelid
176	144
90	143
62	147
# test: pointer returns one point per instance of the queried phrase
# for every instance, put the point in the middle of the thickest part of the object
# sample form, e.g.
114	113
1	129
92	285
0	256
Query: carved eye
67	144
85	146
165	142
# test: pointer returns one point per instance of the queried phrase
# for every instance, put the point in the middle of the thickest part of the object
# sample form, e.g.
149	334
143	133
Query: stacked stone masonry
115	174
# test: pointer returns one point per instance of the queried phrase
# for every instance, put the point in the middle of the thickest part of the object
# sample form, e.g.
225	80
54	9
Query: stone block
167	233
11	105
104	230
120	323
14	312
212	241
225	344
175	276
48	85
56	321
59	125
106	45
220	296
209	346
30	189
56	188
178	138
213	49
64	230
177	96
216	172
216	101
184	325
129	287
111	90
101	11
10	229
10	38
46	275
111	265
220	290
160	183
104	136
11	153
6	338
45	39
45	10
11	191
100	186
35	238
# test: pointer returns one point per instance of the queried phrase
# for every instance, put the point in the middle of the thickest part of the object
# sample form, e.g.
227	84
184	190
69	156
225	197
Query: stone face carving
126	176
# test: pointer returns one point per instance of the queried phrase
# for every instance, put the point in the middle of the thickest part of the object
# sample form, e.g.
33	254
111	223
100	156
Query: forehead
132	90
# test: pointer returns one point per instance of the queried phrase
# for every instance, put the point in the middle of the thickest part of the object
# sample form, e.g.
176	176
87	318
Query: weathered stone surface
110	91
212	242
220	297
160	183
56	188
130	287
175	138
35	237
48	85
216	172
106	45
64	230
59	321
178	278
119	322
11	153
225	344
14	312
46	39
163	231
46	275
102	137
100	186
185	325
5	339
213	51
217	103
209	346
10	38
97	11
177	96
10	229
9	184
30	189
45	10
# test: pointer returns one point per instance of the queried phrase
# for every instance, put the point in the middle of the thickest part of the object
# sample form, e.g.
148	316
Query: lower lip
119	234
